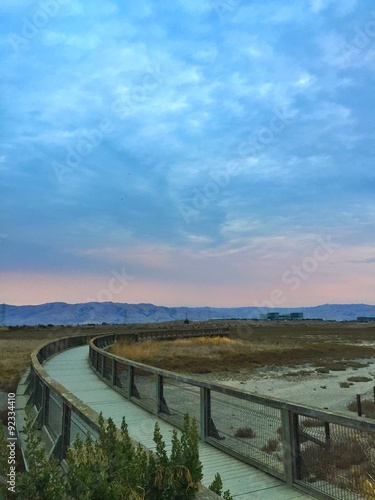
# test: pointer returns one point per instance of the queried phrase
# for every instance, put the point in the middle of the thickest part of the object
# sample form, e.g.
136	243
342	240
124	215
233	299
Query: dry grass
312	422
177	354
251	345
322	369
323	462
271	445
17	344
299	373
245	432
346	463
367	406
359	379
262	346
344	385
14	359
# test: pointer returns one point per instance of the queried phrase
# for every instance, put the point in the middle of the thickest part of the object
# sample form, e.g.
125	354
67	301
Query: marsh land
312	362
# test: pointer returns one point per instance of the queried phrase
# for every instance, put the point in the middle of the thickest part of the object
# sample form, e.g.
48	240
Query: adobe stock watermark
364	36
85	145
148	83
116	285
223	8
76	153
3	236
31	25
297	274
212	189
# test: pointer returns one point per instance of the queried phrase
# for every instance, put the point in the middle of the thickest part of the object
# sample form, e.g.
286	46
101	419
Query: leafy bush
113	467
217	487
110	467
43	480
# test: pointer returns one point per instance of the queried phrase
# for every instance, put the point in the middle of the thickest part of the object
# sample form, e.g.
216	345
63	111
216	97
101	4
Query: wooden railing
317	451
59	414
323	453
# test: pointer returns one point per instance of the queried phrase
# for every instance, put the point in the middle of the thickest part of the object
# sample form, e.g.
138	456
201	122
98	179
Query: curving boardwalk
71	369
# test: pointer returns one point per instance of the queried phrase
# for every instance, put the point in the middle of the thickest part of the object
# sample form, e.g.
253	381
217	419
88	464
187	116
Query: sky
195	152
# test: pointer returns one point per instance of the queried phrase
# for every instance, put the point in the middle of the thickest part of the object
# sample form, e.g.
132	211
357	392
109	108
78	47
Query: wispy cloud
190	142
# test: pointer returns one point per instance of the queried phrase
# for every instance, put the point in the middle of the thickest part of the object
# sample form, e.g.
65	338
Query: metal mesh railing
143	389
99	363
335	459
330	455
122	378
54	415
107	368
79	428
38	394
250	429
179	398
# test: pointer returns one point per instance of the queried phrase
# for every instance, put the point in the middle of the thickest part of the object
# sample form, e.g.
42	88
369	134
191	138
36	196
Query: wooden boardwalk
71	369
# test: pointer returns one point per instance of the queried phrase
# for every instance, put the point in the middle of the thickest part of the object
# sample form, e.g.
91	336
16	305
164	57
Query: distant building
296	316
365	319
275	316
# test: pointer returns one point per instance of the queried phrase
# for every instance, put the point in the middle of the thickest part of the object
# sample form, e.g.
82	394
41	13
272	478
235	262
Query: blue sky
187	153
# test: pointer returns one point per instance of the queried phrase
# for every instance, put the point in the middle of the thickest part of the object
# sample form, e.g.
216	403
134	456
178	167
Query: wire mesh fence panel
107	369
144	389
336	460
122	378
179	399
92	357
38	394
54	416
79	428
99	363
249	429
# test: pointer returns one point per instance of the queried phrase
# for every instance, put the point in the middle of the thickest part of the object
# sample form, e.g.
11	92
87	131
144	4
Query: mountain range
61	313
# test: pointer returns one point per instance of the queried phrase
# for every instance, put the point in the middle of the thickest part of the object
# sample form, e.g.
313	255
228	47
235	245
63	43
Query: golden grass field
16	346
251	345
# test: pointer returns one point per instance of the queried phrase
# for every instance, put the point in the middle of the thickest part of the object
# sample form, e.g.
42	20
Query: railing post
359	405
205	412
130	381
96	364
327	432
103	365
65	430
159	393
113	372
45	407
161	404
289	426
33	394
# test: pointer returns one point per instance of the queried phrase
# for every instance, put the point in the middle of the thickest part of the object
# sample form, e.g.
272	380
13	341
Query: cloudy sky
195	152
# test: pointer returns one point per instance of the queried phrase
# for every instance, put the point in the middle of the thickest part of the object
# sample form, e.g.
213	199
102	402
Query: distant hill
60	313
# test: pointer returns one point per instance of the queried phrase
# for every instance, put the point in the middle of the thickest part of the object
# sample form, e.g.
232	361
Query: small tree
217	487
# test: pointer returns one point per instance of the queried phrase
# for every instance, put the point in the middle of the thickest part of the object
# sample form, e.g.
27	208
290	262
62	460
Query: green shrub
217	487
44	479
111	467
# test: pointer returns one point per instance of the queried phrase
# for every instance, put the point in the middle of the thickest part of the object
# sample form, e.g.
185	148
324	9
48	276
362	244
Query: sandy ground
319	390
